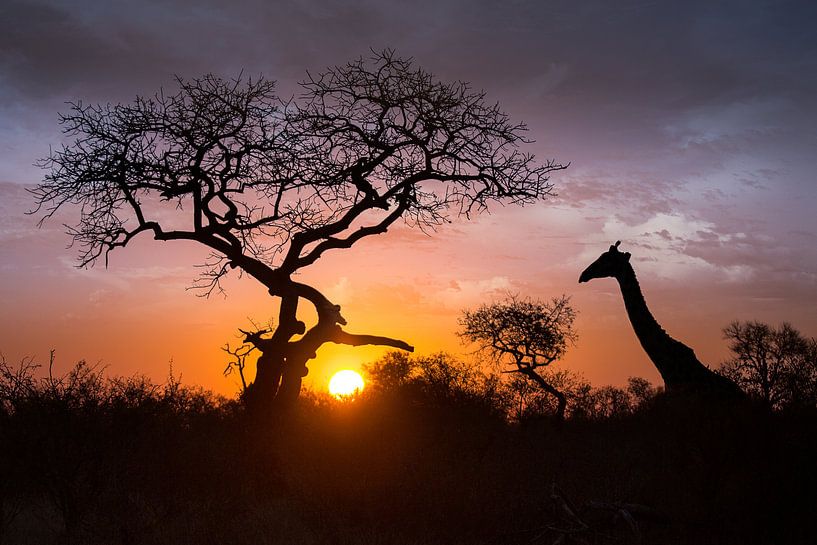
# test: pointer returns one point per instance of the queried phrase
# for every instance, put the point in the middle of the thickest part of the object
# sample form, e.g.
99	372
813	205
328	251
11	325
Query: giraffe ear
627	256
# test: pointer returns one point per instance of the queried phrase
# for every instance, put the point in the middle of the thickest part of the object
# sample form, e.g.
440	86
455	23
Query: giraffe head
610	264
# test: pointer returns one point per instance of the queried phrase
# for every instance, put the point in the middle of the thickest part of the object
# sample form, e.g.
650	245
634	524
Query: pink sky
136	316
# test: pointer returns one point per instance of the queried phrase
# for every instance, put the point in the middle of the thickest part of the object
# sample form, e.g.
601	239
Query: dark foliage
776	365
425	455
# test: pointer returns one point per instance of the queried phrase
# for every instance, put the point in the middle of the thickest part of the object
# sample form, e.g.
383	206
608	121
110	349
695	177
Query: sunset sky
691	129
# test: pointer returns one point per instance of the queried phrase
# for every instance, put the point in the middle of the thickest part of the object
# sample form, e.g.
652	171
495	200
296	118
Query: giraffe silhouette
676	362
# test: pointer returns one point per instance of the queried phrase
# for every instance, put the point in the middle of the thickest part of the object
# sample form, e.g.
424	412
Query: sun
345	383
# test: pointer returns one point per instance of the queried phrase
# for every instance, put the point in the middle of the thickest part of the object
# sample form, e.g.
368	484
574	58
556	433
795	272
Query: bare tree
525	333
776	365
270	186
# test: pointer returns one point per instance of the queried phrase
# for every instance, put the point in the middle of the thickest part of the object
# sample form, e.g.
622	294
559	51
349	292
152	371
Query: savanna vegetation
435	450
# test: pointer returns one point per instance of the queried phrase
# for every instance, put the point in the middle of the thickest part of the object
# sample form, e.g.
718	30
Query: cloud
731	127
660	246
459	294
123	279
341	291
628	193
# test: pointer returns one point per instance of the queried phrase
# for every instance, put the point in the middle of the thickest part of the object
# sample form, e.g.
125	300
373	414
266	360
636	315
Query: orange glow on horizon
137	317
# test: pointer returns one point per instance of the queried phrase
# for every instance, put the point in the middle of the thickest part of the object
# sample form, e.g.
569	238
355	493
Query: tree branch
351	339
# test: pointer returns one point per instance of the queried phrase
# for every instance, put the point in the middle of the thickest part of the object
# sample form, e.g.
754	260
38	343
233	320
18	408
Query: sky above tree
691	129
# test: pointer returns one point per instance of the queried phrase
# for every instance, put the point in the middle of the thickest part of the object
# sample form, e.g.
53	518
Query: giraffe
676	362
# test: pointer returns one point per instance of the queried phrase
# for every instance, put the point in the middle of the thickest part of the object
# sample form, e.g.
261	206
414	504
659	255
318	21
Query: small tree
776	365
527	334
270	186
439	380
391	372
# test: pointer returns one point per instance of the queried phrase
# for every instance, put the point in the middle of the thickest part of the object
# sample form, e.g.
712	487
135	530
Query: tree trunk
264	389
560	397
283	362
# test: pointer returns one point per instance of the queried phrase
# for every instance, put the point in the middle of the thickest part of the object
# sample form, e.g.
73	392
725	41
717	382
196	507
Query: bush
429	453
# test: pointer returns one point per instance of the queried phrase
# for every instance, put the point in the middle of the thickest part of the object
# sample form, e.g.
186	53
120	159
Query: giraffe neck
675	361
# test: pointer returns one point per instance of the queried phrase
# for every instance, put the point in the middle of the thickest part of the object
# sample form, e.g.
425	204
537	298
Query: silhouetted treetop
777	365
229	164
529	332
